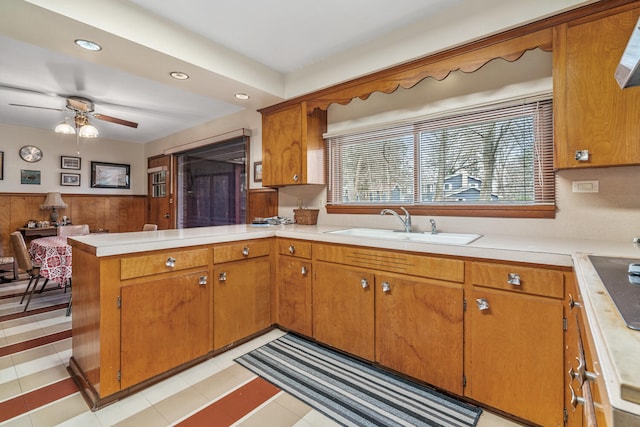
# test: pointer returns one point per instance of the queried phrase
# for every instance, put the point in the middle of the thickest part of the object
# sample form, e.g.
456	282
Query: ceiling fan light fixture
88	131
242	96
179	75
65	128
88	45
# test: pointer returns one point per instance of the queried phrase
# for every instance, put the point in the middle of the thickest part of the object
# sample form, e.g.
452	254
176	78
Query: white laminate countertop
617	346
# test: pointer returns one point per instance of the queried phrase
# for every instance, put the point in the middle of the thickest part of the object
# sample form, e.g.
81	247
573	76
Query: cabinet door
241	299
343	308
164	323
419	329
515	360
592	112
294	294
282	147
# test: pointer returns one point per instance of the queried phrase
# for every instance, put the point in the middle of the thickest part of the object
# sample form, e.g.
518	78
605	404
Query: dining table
53	254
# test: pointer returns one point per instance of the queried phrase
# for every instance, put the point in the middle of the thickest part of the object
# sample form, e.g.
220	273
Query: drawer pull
483	304
581	374
364	283
222	276
575	400
292	249
171	262
303	270
386	287
573	303
245	251
513	279
203	280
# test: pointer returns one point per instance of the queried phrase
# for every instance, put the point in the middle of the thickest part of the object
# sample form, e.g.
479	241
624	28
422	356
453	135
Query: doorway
212	184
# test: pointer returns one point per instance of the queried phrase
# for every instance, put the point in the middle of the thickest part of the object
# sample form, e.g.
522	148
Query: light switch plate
591	186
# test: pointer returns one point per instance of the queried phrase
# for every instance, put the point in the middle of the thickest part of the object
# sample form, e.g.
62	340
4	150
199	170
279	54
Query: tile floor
35	388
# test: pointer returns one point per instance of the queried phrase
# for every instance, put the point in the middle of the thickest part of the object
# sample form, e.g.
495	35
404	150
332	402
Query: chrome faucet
406	222
434	230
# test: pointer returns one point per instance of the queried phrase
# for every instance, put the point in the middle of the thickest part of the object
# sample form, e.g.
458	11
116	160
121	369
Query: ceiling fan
83	108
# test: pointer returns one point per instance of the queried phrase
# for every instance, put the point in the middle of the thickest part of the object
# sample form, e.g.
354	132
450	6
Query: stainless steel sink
440	238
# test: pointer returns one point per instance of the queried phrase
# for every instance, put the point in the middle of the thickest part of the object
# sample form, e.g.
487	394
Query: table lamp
53	201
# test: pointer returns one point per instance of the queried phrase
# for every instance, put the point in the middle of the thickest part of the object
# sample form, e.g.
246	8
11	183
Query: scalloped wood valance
438	66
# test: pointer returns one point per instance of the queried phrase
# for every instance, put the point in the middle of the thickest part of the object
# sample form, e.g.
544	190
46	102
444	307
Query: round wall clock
30	153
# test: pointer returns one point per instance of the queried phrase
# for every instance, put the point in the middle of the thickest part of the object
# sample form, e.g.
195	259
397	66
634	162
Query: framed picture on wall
1	164
257	171
29	177
71	179
68	162
110	175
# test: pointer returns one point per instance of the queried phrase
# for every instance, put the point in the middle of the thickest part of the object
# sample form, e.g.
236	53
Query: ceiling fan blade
79	104
35	106
115	120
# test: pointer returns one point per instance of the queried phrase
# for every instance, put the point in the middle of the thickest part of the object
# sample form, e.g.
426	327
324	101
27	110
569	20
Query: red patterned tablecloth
53	254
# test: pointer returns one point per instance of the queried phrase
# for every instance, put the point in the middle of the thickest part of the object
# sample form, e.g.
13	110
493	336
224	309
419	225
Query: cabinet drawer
241	250
528	280
163	262
297	248
397	262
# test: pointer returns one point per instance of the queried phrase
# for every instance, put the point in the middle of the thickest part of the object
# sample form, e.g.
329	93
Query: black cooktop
623	287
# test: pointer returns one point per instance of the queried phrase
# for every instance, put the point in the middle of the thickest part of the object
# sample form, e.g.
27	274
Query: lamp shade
88	131
65	128
53	200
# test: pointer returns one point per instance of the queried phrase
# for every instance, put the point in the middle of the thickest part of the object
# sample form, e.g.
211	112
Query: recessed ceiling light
89	45
179	75
242	96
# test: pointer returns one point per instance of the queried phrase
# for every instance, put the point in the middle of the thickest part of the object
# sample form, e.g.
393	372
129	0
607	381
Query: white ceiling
270	50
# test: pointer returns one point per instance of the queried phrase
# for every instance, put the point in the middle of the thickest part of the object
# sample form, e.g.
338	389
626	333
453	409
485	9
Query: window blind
502	154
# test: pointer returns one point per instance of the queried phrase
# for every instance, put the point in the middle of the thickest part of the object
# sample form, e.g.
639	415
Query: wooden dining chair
73	230
149	227
25	263
8	264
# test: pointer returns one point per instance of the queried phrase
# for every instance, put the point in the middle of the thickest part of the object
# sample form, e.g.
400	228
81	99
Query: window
497	159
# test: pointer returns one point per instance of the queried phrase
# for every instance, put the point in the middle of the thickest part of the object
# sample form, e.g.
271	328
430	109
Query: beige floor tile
181	404
293	404
488	419
42	378
149	417
317	419
61	410
9	389
33	354
270	415
22	421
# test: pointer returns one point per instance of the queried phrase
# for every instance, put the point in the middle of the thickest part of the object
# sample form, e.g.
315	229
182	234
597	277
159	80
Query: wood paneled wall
115	213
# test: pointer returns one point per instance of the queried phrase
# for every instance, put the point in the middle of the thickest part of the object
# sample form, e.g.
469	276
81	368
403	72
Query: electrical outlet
591	186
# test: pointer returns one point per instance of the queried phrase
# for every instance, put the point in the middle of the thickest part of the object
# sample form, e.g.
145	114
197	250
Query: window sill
540	211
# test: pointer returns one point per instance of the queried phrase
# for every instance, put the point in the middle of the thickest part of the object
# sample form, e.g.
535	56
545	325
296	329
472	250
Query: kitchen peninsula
147	304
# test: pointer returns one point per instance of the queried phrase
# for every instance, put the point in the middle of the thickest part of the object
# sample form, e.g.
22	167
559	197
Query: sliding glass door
212	185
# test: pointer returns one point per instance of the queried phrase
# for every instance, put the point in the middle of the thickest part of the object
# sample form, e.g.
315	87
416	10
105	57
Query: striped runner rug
352	392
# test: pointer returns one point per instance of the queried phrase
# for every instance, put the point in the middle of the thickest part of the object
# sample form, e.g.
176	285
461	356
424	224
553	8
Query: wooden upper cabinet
591	111
292	146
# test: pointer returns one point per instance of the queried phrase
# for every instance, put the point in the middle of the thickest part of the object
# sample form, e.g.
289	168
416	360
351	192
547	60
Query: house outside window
500	155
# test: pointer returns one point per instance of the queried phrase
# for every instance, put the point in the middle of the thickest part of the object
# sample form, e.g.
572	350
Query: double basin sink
439	238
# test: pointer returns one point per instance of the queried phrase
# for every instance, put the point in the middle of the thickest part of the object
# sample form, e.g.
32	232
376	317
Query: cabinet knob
303	271
513	279
222	276
386	287
245	251
575	399
171	262
364	283
573	303
203	280
582	155
295	177
292	249
483	304
581	374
